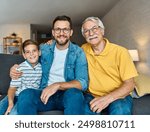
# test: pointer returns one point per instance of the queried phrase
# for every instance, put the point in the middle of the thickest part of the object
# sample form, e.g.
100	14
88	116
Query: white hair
94	19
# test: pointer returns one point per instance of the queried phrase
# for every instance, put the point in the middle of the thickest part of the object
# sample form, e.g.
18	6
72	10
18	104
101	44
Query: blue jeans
4	106
71	101
118	107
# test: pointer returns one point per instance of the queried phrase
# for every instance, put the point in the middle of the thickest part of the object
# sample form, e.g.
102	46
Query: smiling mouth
32	57
62	36
92	38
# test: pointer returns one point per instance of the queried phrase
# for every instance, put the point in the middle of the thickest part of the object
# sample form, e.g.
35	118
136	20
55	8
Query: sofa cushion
1	97
141	106
142	85
53	112
7	61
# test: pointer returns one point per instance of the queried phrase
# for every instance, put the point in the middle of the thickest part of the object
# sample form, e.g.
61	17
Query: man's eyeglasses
65	30
93	29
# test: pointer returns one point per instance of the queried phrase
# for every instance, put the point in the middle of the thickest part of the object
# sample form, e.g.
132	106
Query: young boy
31	77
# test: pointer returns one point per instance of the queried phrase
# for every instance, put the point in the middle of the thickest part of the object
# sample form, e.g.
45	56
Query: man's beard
62	43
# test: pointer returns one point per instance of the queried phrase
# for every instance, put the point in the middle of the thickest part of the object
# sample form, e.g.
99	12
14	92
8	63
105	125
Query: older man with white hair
111	72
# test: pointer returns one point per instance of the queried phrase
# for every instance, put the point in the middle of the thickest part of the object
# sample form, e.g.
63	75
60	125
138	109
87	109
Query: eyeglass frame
94	29
65	30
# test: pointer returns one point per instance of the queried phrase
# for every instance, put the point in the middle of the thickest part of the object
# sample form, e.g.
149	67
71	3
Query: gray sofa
141	105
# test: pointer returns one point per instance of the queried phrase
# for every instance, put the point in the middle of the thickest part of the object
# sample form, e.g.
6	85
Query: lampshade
134	54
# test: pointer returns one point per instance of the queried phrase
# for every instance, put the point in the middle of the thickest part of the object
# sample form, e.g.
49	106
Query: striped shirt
30	78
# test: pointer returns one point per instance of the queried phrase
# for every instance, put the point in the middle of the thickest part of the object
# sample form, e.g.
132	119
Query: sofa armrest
7	61
1	97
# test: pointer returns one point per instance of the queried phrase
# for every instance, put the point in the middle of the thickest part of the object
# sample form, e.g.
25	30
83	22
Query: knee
27	96
121	109
73	102
73	93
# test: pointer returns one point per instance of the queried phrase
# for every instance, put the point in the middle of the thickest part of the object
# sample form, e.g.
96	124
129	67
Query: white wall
128	24
22	30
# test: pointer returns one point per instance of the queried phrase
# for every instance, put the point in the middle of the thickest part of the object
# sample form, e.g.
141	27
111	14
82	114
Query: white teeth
32	57
92	38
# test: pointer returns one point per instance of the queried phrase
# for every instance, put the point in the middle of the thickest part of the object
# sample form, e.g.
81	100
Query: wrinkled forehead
89	24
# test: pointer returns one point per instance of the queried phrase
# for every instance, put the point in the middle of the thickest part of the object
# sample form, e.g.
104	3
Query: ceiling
42	12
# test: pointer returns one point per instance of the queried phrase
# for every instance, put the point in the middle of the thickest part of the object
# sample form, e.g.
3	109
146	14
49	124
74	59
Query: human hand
49	91
14	73
100	103
50	41
9	109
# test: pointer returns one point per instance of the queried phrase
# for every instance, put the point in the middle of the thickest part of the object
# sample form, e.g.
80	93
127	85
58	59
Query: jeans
71	101
118	107
4	106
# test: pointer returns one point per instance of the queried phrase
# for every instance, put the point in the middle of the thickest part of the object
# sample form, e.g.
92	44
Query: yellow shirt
109	69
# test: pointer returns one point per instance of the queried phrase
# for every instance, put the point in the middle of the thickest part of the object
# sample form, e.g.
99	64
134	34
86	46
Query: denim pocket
71	72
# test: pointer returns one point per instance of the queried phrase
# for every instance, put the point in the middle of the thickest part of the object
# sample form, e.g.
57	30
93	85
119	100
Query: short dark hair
29	42
62	18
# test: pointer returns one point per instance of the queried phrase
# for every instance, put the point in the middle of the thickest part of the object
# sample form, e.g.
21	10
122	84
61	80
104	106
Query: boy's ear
23	55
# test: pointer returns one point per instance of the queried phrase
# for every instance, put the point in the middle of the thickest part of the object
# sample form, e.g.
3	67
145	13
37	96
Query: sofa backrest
6	62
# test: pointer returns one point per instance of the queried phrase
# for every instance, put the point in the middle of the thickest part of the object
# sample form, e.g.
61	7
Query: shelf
12	45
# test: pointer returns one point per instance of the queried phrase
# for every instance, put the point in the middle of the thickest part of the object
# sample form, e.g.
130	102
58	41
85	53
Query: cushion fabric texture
5	65
142	85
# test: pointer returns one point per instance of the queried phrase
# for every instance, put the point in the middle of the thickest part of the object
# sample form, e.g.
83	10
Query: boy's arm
11	95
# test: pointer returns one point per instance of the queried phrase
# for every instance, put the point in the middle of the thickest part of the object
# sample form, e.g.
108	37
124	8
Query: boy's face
31	54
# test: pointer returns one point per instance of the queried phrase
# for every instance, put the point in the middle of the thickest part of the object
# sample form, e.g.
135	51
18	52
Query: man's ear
39	52
52	32
102	31
71	33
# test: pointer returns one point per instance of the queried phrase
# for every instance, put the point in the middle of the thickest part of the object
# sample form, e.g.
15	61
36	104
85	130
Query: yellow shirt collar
104	52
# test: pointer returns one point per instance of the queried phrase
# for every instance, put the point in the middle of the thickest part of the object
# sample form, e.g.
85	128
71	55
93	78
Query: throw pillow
142	84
